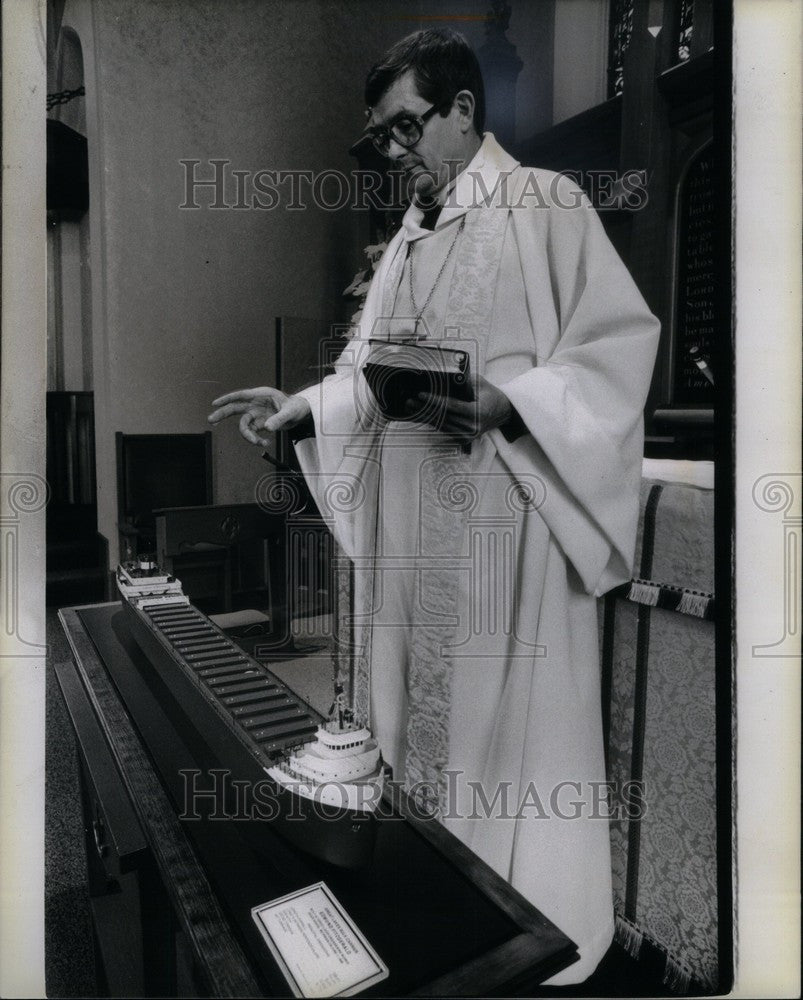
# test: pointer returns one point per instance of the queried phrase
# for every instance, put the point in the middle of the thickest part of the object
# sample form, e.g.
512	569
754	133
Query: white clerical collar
468	189
411	224
413	217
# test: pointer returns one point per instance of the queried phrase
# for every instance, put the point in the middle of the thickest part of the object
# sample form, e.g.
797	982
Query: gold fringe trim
693	604
644	593
676	977
628	936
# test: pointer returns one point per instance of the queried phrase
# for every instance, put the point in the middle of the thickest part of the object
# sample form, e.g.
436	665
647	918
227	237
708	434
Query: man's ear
464	101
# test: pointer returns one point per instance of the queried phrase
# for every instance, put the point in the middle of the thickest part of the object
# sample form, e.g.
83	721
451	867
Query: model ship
325	776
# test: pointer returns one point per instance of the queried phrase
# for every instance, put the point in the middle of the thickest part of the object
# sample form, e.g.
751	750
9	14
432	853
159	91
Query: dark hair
443	64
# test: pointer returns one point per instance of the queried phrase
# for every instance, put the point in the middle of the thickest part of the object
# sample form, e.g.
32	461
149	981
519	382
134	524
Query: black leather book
397	372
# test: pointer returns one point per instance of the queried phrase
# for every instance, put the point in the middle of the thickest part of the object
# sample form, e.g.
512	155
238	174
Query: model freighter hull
247	721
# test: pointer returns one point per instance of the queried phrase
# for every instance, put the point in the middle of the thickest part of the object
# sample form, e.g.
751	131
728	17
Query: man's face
426	165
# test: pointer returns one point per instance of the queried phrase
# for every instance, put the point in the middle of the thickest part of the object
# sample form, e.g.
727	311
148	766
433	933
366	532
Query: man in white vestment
483	531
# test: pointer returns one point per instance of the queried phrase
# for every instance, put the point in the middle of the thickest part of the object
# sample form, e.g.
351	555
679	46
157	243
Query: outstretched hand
262	409
464	419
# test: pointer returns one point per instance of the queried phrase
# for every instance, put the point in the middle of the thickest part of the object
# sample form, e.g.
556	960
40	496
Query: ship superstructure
342	768
141	582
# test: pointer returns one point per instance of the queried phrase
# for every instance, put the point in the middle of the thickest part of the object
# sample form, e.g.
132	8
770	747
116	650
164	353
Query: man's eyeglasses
405	129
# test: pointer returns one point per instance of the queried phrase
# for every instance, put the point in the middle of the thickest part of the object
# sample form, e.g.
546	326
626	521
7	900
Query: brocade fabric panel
676	896
659	668
683	553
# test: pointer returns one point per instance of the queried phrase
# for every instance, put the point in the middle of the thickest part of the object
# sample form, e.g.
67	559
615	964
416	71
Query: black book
397	372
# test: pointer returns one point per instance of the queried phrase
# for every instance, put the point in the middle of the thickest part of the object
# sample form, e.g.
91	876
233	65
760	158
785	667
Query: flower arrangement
358	288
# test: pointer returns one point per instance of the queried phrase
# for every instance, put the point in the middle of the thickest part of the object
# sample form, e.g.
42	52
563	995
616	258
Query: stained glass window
621	29
686	26
695	335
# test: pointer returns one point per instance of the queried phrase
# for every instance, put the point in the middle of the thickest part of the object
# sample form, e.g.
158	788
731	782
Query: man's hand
264	408
465	420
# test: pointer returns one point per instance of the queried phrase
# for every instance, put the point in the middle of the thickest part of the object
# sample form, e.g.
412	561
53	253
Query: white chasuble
476	575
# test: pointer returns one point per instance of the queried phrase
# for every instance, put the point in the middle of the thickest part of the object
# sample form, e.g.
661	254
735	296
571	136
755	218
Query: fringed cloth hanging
677	977
665	596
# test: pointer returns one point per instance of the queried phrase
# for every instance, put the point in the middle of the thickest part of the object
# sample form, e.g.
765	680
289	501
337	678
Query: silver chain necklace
420	312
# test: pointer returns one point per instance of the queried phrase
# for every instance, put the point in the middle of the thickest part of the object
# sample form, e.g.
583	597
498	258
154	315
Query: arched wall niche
70	76
692	322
